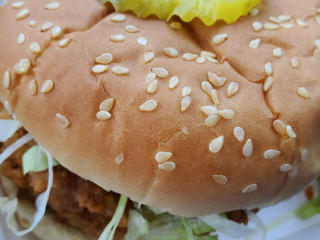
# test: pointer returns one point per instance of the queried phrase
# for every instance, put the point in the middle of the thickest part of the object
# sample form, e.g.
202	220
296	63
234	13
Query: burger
123	125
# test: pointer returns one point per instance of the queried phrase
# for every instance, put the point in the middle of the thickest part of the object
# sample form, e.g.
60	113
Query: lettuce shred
10	206
311	207
109	231
145	224
35	160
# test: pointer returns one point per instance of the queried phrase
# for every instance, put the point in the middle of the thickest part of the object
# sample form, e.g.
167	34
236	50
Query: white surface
288	226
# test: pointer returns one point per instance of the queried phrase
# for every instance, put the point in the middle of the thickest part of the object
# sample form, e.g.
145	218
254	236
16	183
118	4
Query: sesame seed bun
160	121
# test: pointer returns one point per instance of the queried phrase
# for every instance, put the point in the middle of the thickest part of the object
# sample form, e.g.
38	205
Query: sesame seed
103	115
271	154
284	18
152	87
304	155
173	82
148	106
186	91
162	157
64	42
100	68
303	92
254	12
212	60
226	113
220	179
167	166
171	52
189	56
247	149
238	133
142	41
268	68
212	120
32	23
295	62
293	172
21	38
277	52
250	188
201	60
56	31
118	18
8	107
215	97
271	26
279	126
216	144
150	77
175	25
148	57
301	23
46	86
267	84
233	88
286	25
35	47
22	14
257	26
62	120
6	79
317	19
206	87
106	105
285	168
52	6
119	70
185	103
119	159
47	26
131	29
17	4
220	38
23	66
290	132
185	130
160	72
275	19
317	43
207	54
254	43
216	80
33	87
117	38
209	110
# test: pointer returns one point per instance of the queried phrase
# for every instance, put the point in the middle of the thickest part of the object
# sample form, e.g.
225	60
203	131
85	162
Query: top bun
274	99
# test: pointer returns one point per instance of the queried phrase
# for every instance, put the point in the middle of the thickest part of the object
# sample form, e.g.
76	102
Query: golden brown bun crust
89	147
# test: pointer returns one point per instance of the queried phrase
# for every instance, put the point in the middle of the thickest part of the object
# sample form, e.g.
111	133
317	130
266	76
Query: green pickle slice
209	11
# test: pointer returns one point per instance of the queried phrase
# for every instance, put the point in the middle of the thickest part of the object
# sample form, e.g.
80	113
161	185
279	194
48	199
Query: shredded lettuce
10	206
188	228
13	147
8	127
234	229
110	229
137	226
149	225
35	160
311	207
